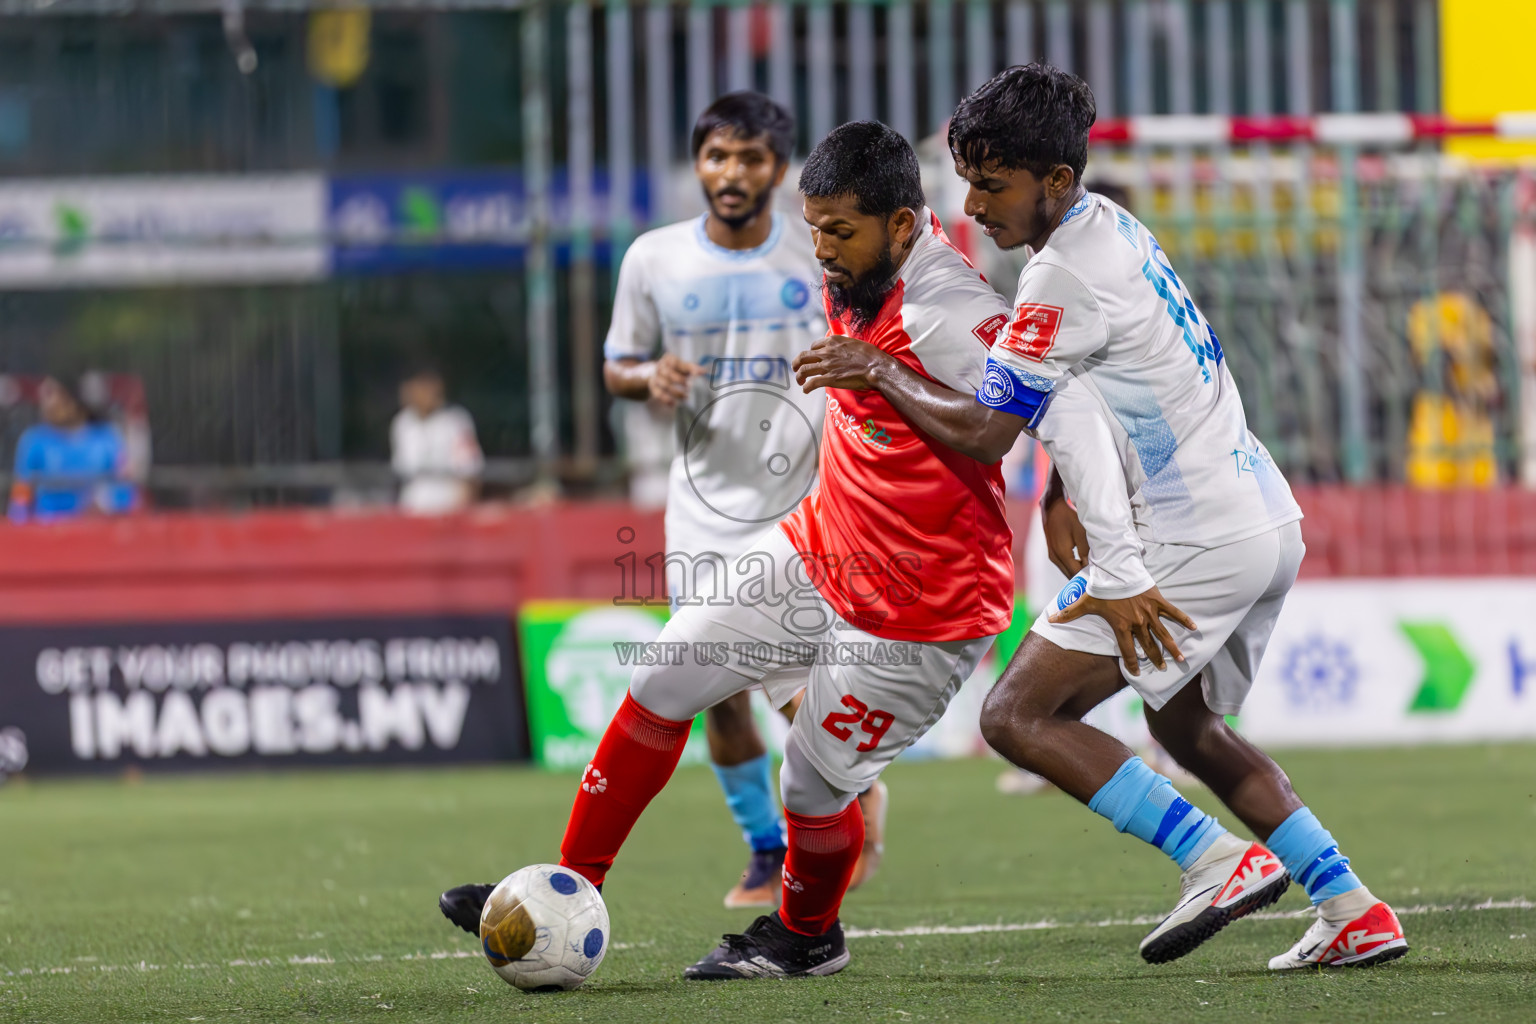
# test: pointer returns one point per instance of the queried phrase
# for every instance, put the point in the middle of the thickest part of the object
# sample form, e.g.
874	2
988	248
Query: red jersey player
878	595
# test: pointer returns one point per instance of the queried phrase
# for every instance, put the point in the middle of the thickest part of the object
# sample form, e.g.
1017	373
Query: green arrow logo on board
1448	670
74	229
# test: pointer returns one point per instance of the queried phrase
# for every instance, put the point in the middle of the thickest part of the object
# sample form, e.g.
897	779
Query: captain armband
1020	392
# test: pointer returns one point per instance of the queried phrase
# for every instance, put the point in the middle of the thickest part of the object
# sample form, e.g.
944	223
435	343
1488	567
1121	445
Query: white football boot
1233	878
1352	930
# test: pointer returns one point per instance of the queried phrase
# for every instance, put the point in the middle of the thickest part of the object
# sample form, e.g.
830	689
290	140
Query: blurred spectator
433	448
1450	435
71	464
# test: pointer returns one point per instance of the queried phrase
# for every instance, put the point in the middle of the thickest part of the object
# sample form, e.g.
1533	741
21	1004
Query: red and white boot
1233	878
1352	930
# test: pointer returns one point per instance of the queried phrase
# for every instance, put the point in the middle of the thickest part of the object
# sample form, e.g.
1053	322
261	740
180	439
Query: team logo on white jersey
795	293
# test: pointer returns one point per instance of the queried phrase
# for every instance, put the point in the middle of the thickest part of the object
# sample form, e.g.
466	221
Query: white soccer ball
544	927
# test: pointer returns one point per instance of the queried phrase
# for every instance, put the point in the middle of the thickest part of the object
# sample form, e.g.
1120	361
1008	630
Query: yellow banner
338	45
1485	61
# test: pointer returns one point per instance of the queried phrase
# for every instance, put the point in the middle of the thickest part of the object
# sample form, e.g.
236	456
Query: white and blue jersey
1101	320
747	437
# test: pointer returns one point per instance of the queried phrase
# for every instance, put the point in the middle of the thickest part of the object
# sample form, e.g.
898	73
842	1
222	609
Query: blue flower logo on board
1320	673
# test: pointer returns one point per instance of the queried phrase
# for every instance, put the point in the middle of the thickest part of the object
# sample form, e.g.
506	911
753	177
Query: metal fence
1310	268
1366	303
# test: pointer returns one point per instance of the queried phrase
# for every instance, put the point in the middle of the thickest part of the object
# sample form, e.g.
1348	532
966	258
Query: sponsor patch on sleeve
1033	330
990	328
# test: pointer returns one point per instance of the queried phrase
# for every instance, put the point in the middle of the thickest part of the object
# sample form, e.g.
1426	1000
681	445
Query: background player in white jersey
708	314
1110	362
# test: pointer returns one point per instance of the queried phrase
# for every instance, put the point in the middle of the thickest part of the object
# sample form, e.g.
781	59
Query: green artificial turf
313	897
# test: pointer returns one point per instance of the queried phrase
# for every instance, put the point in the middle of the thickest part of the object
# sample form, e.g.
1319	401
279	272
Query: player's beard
859	303
741	220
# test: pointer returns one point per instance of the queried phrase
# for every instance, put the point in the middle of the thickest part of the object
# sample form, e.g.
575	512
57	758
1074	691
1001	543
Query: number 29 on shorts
875	724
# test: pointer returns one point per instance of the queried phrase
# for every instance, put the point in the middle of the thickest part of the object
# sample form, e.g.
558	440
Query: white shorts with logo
1233	593
866	699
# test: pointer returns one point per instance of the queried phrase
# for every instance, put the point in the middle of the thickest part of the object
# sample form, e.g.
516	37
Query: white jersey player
1108	359
746	438
1100	311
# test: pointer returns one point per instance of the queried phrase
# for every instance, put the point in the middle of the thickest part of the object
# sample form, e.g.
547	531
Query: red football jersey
905	537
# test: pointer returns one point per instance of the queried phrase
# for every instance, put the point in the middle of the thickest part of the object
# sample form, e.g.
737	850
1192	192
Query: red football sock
636	757
822	853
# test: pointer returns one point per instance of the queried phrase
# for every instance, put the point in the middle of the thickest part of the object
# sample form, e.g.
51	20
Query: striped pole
1327	129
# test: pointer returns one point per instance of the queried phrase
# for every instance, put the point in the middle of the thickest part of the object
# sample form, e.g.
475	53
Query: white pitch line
851	933
1049	925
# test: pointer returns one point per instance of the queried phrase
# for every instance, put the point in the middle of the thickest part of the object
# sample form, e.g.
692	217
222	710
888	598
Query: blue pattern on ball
593	944
563	883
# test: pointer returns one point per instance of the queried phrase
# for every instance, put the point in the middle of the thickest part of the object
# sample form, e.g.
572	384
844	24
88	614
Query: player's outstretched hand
1065	538
1135	620
838	362
670	379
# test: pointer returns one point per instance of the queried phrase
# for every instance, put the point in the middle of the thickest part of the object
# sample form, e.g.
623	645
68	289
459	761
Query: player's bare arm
665	379
953	418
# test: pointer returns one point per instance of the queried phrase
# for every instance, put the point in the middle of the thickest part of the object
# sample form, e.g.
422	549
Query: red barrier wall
306	563
1394	531
310	563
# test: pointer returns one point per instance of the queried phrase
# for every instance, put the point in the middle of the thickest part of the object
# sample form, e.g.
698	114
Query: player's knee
803	790
663	690
1005	715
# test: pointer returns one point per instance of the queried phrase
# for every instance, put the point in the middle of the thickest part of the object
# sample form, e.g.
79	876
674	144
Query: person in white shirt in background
433	449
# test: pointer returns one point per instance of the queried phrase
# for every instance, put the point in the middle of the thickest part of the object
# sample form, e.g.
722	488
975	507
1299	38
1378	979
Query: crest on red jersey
1033	331
989	329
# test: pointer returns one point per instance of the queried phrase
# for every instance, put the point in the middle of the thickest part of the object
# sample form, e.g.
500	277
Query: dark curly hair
870	162
1031	116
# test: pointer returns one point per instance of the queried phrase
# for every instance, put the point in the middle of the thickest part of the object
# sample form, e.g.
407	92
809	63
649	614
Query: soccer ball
544	927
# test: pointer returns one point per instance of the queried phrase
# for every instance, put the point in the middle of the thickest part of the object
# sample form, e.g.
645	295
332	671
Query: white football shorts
1233	593
866	699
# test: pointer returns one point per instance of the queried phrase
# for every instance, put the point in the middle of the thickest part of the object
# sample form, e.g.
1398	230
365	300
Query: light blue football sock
1145	804
1312	857
749	794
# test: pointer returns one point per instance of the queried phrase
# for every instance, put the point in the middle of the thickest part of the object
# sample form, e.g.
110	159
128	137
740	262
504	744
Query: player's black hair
870	162
1030	116
747	115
